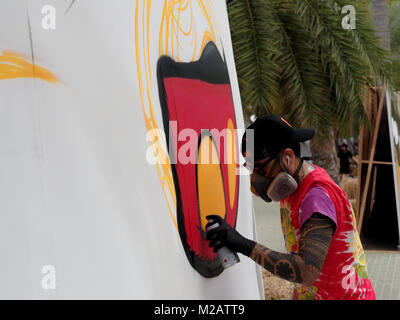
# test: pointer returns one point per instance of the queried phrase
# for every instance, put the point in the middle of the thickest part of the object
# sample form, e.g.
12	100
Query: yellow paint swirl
14	65
175	40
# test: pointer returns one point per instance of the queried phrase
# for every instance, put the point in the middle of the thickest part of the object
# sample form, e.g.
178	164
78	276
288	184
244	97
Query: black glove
226	236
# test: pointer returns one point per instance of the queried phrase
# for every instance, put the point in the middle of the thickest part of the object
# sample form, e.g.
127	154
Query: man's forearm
290	267
316	235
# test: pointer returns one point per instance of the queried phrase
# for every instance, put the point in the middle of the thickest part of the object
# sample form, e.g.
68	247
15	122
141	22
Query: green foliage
255	44
293	57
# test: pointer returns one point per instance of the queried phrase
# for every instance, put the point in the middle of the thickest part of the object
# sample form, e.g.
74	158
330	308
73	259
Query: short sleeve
317	200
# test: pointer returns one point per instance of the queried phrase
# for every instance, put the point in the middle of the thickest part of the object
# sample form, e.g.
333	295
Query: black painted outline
209	68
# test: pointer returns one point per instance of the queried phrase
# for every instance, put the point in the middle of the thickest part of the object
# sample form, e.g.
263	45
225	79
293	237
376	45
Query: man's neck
305	170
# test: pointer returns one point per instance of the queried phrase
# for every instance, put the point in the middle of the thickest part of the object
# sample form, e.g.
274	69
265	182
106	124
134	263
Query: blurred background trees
298	58
394	23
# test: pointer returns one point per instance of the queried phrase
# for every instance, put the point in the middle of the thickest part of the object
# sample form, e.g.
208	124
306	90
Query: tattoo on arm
316	235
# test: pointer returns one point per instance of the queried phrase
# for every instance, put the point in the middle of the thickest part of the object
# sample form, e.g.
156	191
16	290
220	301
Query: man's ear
288	159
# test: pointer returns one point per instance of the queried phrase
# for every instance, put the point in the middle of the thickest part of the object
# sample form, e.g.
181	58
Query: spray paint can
226	256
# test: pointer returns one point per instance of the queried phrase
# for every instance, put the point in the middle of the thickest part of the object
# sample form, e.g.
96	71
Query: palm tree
293	57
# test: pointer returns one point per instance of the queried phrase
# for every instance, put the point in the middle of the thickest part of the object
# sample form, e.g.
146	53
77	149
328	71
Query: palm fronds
293	57
254	45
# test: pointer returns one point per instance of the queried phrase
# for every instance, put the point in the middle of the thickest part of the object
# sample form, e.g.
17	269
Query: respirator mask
275	188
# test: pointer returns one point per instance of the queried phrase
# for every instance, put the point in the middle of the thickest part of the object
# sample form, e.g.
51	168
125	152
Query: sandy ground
276	288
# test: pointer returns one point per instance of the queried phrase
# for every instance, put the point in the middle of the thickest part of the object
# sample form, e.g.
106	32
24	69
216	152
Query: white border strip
394	165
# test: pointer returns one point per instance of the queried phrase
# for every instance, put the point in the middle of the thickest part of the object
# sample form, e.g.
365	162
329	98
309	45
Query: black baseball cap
272	133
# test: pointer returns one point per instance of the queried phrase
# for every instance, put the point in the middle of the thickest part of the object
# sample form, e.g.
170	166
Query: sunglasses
258	166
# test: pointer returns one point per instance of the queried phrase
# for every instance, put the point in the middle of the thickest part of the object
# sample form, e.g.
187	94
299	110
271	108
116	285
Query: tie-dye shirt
344	273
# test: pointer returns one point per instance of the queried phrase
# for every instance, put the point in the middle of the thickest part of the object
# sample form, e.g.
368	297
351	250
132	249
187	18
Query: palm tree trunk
324	155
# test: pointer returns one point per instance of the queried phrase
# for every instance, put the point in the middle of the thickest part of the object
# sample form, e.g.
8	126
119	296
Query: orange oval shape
210	186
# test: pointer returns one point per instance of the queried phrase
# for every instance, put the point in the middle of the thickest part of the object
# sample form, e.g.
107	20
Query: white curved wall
76	191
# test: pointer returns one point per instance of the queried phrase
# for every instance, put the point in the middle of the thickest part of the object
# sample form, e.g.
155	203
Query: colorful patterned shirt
344	273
